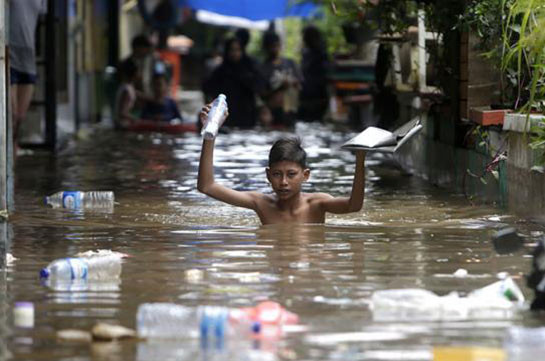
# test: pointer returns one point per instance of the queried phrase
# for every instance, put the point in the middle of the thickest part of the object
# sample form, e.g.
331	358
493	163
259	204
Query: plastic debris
107	332
460	273
194	275
10	259
72	335
499	300
507	241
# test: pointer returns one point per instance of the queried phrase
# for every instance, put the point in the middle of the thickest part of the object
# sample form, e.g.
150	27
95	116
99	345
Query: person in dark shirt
240	81
161	107
282	82
314	99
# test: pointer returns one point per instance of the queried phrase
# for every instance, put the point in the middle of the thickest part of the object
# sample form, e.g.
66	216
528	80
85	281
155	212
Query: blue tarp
254	10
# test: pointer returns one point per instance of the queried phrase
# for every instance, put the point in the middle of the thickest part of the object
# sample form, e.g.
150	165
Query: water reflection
189	249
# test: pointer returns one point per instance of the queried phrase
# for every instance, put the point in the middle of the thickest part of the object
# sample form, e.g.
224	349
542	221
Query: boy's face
286	178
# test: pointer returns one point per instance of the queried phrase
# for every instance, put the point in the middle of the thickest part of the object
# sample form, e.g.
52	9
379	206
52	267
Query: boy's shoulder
313	197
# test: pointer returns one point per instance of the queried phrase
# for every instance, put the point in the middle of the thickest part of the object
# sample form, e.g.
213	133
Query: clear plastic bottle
81	200
170	321
215	116
92	268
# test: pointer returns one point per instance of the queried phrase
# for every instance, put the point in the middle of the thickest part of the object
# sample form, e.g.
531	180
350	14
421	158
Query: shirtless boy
286	173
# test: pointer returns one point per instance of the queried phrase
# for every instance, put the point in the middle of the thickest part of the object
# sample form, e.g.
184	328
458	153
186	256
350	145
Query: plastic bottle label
78	269
71	200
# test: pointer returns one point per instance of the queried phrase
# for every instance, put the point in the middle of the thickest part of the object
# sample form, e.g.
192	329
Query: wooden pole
5	138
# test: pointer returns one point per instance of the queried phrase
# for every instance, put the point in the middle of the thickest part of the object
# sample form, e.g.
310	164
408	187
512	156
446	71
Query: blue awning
255	10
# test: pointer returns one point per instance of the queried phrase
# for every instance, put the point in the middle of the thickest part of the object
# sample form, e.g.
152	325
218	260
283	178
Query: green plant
512	35
524	50
523	44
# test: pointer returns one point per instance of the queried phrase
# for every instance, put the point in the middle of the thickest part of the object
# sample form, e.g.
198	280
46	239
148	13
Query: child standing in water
286	173
161	108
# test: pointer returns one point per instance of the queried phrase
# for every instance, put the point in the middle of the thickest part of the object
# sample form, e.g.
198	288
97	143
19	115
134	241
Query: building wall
518	188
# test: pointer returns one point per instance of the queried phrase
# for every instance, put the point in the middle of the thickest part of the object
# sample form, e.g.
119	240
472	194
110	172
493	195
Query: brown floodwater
409	234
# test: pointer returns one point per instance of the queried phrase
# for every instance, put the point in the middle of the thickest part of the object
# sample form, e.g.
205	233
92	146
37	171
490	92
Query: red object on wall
175	60
487	116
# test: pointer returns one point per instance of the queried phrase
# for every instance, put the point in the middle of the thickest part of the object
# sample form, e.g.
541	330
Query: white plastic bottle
92	268
215	116
171	321
81	200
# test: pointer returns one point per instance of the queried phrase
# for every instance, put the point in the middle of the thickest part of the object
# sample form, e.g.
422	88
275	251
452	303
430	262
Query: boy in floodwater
286	173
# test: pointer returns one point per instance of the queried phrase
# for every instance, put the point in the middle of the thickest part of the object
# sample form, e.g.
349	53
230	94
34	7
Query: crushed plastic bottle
167	320
505	288
81	200
499	300
95	267
215	116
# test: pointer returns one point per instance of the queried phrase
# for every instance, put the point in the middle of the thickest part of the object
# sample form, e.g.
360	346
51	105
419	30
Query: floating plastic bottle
499	300
82	268
81	200
167	320
215	116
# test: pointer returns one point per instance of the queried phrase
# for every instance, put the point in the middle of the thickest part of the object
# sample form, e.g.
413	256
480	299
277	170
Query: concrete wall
526	187
518	188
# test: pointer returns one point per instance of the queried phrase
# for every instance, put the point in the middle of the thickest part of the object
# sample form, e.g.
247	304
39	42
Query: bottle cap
23	314
44	273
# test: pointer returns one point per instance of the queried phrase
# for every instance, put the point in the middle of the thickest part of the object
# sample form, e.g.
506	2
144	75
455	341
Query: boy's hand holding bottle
212	116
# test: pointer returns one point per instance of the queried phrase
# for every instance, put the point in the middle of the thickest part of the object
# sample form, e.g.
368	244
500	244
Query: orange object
271	313
345	85
487	116
174	59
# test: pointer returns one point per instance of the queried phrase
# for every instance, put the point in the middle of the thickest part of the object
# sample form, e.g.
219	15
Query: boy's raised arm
353	203
206	183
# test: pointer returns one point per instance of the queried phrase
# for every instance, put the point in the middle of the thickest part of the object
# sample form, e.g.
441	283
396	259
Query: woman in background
240	81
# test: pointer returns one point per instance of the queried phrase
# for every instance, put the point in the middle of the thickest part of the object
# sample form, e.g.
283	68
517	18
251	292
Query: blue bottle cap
256	327
44	273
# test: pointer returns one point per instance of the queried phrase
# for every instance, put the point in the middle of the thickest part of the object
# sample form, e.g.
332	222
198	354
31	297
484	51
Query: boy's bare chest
270	213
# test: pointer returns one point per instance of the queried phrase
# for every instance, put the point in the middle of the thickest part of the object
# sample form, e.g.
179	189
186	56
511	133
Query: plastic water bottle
92	268
168	321
81	200
215	116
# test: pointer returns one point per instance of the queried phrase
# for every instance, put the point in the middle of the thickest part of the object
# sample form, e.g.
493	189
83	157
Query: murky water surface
409	234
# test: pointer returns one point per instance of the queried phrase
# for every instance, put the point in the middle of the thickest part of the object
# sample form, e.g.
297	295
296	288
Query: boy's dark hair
288	149
270	38
127	69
